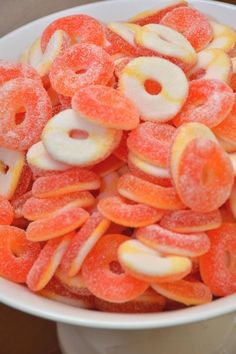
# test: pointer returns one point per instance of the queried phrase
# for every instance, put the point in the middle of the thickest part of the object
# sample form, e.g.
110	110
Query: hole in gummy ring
152	87
20	116
115	267
3	167
78	134
207	175
80	71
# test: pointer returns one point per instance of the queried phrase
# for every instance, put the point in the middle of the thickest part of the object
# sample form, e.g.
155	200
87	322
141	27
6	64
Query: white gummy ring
166	104
95	145
37	156
166	41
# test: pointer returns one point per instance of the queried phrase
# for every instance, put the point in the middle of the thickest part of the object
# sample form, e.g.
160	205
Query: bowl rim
21	298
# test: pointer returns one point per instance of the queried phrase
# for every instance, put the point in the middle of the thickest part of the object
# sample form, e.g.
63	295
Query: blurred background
21	333
15	13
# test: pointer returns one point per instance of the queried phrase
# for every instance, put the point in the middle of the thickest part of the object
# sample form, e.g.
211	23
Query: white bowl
19	297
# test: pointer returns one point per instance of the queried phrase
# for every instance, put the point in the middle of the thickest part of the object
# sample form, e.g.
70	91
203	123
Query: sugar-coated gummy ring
95	144
164	105
106	106
38	157
96	64
147	302
183	135
11	167
212	63
83	242
6	212
73	180
120	39
167	43
186	292
80	28
10	70
155	16
147	264
209	102
38	208
75	284
148	169
32	96
141	191
166	241
205	176
101	280
121	212
17	254
55	290
62	221
47	262
151	142
215	264
135	166
193	24
224	37
226	130
188	221
42	62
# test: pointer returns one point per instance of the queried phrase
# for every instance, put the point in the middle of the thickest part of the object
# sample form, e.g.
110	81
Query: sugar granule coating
163	240
6	212
209	102
193	24
38	208
106	106
227	129
17	254
142	191
215	272
186	292
73	180
96	64
148	302
102	281
155	16
83	242
10	70
80	28
62	221
205	176
47	262
147	264
33	97
152	142
121	212
188	221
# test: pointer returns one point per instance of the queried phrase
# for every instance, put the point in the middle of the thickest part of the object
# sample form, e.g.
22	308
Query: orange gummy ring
101	280
17	254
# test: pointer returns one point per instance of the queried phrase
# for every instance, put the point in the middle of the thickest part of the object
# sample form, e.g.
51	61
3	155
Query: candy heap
117	162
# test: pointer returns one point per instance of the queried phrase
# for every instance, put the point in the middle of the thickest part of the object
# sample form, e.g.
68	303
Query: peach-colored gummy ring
93	64
121	212
17	254
106	106
31	95
101	280
80	28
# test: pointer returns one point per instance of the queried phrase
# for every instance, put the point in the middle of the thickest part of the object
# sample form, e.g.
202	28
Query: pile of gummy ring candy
118	157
